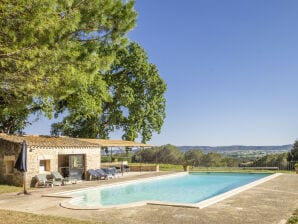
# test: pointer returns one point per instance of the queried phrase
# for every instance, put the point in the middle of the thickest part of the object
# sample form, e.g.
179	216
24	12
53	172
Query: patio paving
271	202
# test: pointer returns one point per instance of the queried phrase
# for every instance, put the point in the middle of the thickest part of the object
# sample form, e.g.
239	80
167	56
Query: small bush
294	218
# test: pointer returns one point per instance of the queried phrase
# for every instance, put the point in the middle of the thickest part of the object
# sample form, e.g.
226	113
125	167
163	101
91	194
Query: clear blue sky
231	67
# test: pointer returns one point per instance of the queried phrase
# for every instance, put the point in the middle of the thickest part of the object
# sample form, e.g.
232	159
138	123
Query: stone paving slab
269	203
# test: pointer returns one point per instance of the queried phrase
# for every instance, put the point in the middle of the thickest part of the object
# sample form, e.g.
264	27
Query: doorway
72	166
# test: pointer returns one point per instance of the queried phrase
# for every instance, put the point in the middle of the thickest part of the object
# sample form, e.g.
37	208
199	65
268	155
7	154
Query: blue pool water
189	188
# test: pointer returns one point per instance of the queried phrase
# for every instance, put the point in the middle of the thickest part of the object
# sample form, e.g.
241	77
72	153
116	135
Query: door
76	166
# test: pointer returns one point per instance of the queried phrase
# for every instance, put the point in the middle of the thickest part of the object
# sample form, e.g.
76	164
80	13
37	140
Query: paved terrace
271	202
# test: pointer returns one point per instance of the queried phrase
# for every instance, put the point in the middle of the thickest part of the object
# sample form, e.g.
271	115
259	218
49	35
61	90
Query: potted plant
185	165
296	167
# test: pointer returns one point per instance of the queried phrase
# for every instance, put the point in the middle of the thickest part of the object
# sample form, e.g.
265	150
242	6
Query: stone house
45	154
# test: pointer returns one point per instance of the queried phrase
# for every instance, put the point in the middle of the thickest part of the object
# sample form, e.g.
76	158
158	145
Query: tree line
169	154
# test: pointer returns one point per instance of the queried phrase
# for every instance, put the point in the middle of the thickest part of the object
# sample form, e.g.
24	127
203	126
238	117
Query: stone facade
144	167
45	154
9	153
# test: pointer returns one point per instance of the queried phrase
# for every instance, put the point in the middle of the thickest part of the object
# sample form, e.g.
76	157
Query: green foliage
293	154
197	158
194	157
167	154
135	103
52	54
277	160
170	167
106	159
212	159
294	218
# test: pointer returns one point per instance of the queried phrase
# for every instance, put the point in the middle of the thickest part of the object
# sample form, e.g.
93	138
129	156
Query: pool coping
205	203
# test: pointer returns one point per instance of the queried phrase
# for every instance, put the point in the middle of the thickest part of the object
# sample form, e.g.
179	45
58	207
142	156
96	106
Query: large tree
48	51
135	104
194	157
60	55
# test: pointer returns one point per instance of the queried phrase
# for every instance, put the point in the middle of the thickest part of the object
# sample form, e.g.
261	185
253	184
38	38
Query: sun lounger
126	168
103	171
58	179
42	181
111	171
97	175
114	172
118	169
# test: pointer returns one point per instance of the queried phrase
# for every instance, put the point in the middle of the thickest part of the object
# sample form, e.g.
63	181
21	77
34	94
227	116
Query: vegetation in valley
163	154
169	154
273	160
171	157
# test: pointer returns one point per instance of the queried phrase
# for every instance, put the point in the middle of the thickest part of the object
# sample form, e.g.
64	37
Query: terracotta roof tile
47	141
115	143
51	141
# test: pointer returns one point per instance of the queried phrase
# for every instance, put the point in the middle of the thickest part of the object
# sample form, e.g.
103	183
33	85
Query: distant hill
223	149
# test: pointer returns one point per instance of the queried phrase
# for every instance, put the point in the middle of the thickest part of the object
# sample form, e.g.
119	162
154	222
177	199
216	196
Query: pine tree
135	104
53	49
73	56
293	154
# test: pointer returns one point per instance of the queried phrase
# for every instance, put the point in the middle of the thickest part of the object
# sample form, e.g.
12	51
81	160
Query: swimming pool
187	189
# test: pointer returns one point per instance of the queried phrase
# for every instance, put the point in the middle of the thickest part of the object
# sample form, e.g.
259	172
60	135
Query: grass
12	217
294	218
172	167
9	189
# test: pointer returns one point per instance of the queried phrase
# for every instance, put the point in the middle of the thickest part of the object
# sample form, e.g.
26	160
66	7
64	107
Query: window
9	165
44	165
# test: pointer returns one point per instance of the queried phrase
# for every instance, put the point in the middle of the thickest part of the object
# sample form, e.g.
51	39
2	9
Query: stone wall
114	164
140	168
35	154
133	168
10	151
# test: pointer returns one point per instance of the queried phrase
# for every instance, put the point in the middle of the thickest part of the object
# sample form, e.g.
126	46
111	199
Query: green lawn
9	189
172	167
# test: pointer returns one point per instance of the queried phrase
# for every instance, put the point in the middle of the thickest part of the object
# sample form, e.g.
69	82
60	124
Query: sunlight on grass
9	189
173	167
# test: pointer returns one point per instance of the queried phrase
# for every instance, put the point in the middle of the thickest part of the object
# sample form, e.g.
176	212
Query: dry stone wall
10	151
